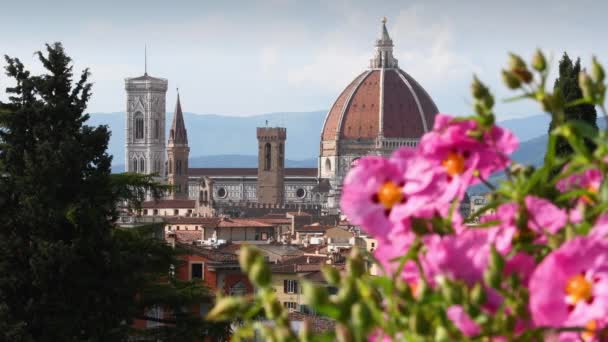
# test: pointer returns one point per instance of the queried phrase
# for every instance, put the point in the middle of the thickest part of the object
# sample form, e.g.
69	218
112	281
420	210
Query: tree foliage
66	274
567	86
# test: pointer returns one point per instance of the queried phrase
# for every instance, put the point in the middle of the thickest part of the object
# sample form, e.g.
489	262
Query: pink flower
463	321
600	230
458	156
543	217
396	245
379	193
590	179
570	286
370	191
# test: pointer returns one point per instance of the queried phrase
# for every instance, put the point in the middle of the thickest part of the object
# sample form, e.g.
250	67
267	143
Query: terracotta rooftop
169	204
382	101
317	323
210	253
241	222
248	172
311	228
209	222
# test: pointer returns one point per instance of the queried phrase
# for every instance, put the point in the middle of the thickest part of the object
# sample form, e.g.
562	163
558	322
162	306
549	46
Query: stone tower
145	128
177	155
271	164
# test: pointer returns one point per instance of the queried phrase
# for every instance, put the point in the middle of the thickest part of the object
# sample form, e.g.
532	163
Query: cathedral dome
383	101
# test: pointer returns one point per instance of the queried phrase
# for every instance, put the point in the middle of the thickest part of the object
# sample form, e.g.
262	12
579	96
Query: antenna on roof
146	59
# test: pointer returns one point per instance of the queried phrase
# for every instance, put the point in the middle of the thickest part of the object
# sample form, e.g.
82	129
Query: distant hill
232	160
218	135
230	141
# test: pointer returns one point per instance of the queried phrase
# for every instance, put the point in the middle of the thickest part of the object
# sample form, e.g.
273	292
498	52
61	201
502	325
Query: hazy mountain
230	141
217	135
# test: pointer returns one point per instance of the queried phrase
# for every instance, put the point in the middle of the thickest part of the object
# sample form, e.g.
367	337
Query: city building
382	109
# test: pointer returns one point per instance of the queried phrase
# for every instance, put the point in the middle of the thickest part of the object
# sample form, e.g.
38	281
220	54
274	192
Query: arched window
178	167
281	153
156	128
327	165
267	156
142	165
139	125
134	165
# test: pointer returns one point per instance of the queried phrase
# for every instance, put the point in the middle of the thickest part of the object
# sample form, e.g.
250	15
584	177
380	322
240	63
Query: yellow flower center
592	189
590	330
454	163
578	288
389	194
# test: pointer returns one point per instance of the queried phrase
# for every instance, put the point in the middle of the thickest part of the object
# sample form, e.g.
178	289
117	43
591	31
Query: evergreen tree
66	274
567	85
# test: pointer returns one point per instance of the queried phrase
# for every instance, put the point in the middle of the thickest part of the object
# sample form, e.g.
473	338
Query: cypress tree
66	274
567	85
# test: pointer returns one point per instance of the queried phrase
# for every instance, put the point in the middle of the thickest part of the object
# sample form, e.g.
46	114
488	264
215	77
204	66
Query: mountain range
230	141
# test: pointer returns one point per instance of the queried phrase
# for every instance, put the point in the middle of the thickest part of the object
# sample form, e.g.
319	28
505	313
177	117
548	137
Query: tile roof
210	253
317	323
169	204
208	222
242	222
313	228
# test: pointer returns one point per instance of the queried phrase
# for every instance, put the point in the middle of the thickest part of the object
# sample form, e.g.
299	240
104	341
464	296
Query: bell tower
145	126
177	155
271	164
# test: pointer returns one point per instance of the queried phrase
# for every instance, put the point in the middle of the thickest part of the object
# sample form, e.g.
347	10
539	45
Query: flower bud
510	79
442	335
226	308
586	85
516	62
360	316
539	62
523	74
488	101
259	274
597	71
314	295
492	278
478	295
272	308
419	323
331	274
478	89
355	265
497	262
247	256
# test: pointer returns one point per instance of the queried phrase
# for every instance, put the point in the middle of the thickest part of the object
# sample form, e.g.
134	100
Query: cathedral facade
382	109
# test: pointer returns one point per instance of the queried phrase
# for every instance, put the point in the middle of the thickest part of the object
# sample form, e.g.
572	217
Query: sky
250	57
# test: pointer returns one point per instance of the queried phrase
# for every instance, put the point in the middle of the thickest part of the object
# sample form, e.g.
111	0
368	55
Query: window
134	165
300	193
189	211
267	156
156	129
145	211
373	244
238	289
170	166
142	165
221	193
139	125
155	212
327	165
290	286
175	212
281	152
290	305
196	271
178	167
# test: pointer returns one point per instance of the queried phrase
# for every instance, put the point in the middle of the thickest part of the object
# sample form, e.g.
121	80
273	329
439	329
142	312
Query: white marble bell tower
145	126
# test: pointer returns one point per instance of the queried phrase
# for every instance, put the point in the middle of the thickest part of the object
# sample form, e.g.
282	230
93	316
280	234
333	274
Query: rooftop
169	204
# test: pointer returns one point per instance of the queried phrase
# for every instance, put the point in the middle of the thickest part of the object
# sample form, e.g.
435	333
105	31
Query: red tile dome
382	101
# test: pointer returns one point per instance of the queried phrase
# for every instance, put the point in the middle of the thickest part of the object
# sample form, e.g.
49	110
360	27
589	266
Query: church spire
178	134
383	54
